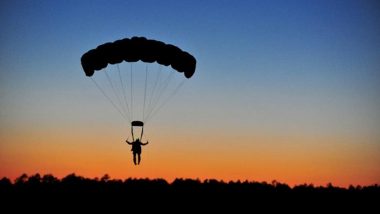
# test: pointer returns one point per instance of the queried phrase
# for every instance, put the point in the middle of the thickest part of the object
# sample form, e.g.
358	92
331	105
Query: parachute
135	49
110	58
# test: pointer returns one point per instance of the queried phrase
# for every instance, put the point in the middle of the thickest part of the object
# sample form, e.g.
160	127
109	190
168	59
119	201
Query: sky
283	90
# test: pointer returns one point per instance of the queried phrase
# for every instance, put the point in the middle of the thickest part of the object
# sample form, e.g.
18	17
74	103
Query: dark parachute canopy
135	99
135	49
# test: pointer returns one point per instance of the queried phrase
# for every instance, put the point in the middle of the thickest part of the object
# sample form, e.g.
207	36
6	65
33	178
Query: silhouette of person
136	149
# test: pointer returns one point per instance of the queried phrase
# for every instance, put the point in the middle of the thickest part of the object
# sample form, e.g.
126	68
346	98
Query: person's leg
139	158
134	158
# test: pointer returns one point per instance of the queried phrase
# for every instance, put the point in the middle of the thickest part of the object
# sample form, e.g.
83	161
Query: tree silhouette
72	191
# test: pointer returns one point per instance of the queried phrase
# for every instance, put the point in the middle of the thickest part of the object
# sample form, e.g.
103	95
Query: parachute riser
139	124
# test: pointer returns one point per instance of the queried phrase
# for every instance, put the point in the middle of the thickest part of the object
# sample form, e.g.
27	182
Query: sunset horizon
258	91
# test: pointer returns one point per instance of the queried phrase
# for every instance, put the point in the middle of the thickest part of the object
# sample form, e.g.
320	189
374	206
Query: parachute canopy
135	49
138	96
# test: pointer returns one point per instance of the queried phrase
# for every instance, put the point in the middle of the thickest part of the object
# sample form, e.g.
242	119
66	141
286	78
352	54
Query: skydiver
136	149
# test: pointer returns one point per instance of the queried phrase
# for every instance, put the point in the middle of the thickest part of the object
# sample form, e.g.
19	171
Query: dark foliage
43	193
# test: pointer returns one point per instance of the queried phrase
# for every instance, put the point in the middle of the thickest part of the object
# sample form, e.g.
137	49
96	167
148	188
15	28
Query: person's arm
128	142
145	143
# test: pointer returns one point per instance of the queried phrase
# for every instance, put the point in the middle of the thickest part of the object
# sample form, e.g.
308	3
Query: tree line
142	193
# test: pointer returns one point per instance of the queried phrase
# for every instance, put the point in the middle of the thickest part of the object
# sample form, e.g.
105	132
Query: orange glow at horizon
289	159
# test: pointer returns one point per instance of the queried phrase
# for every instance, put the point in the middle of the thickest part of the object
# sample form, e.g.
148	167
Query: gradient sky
284	90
